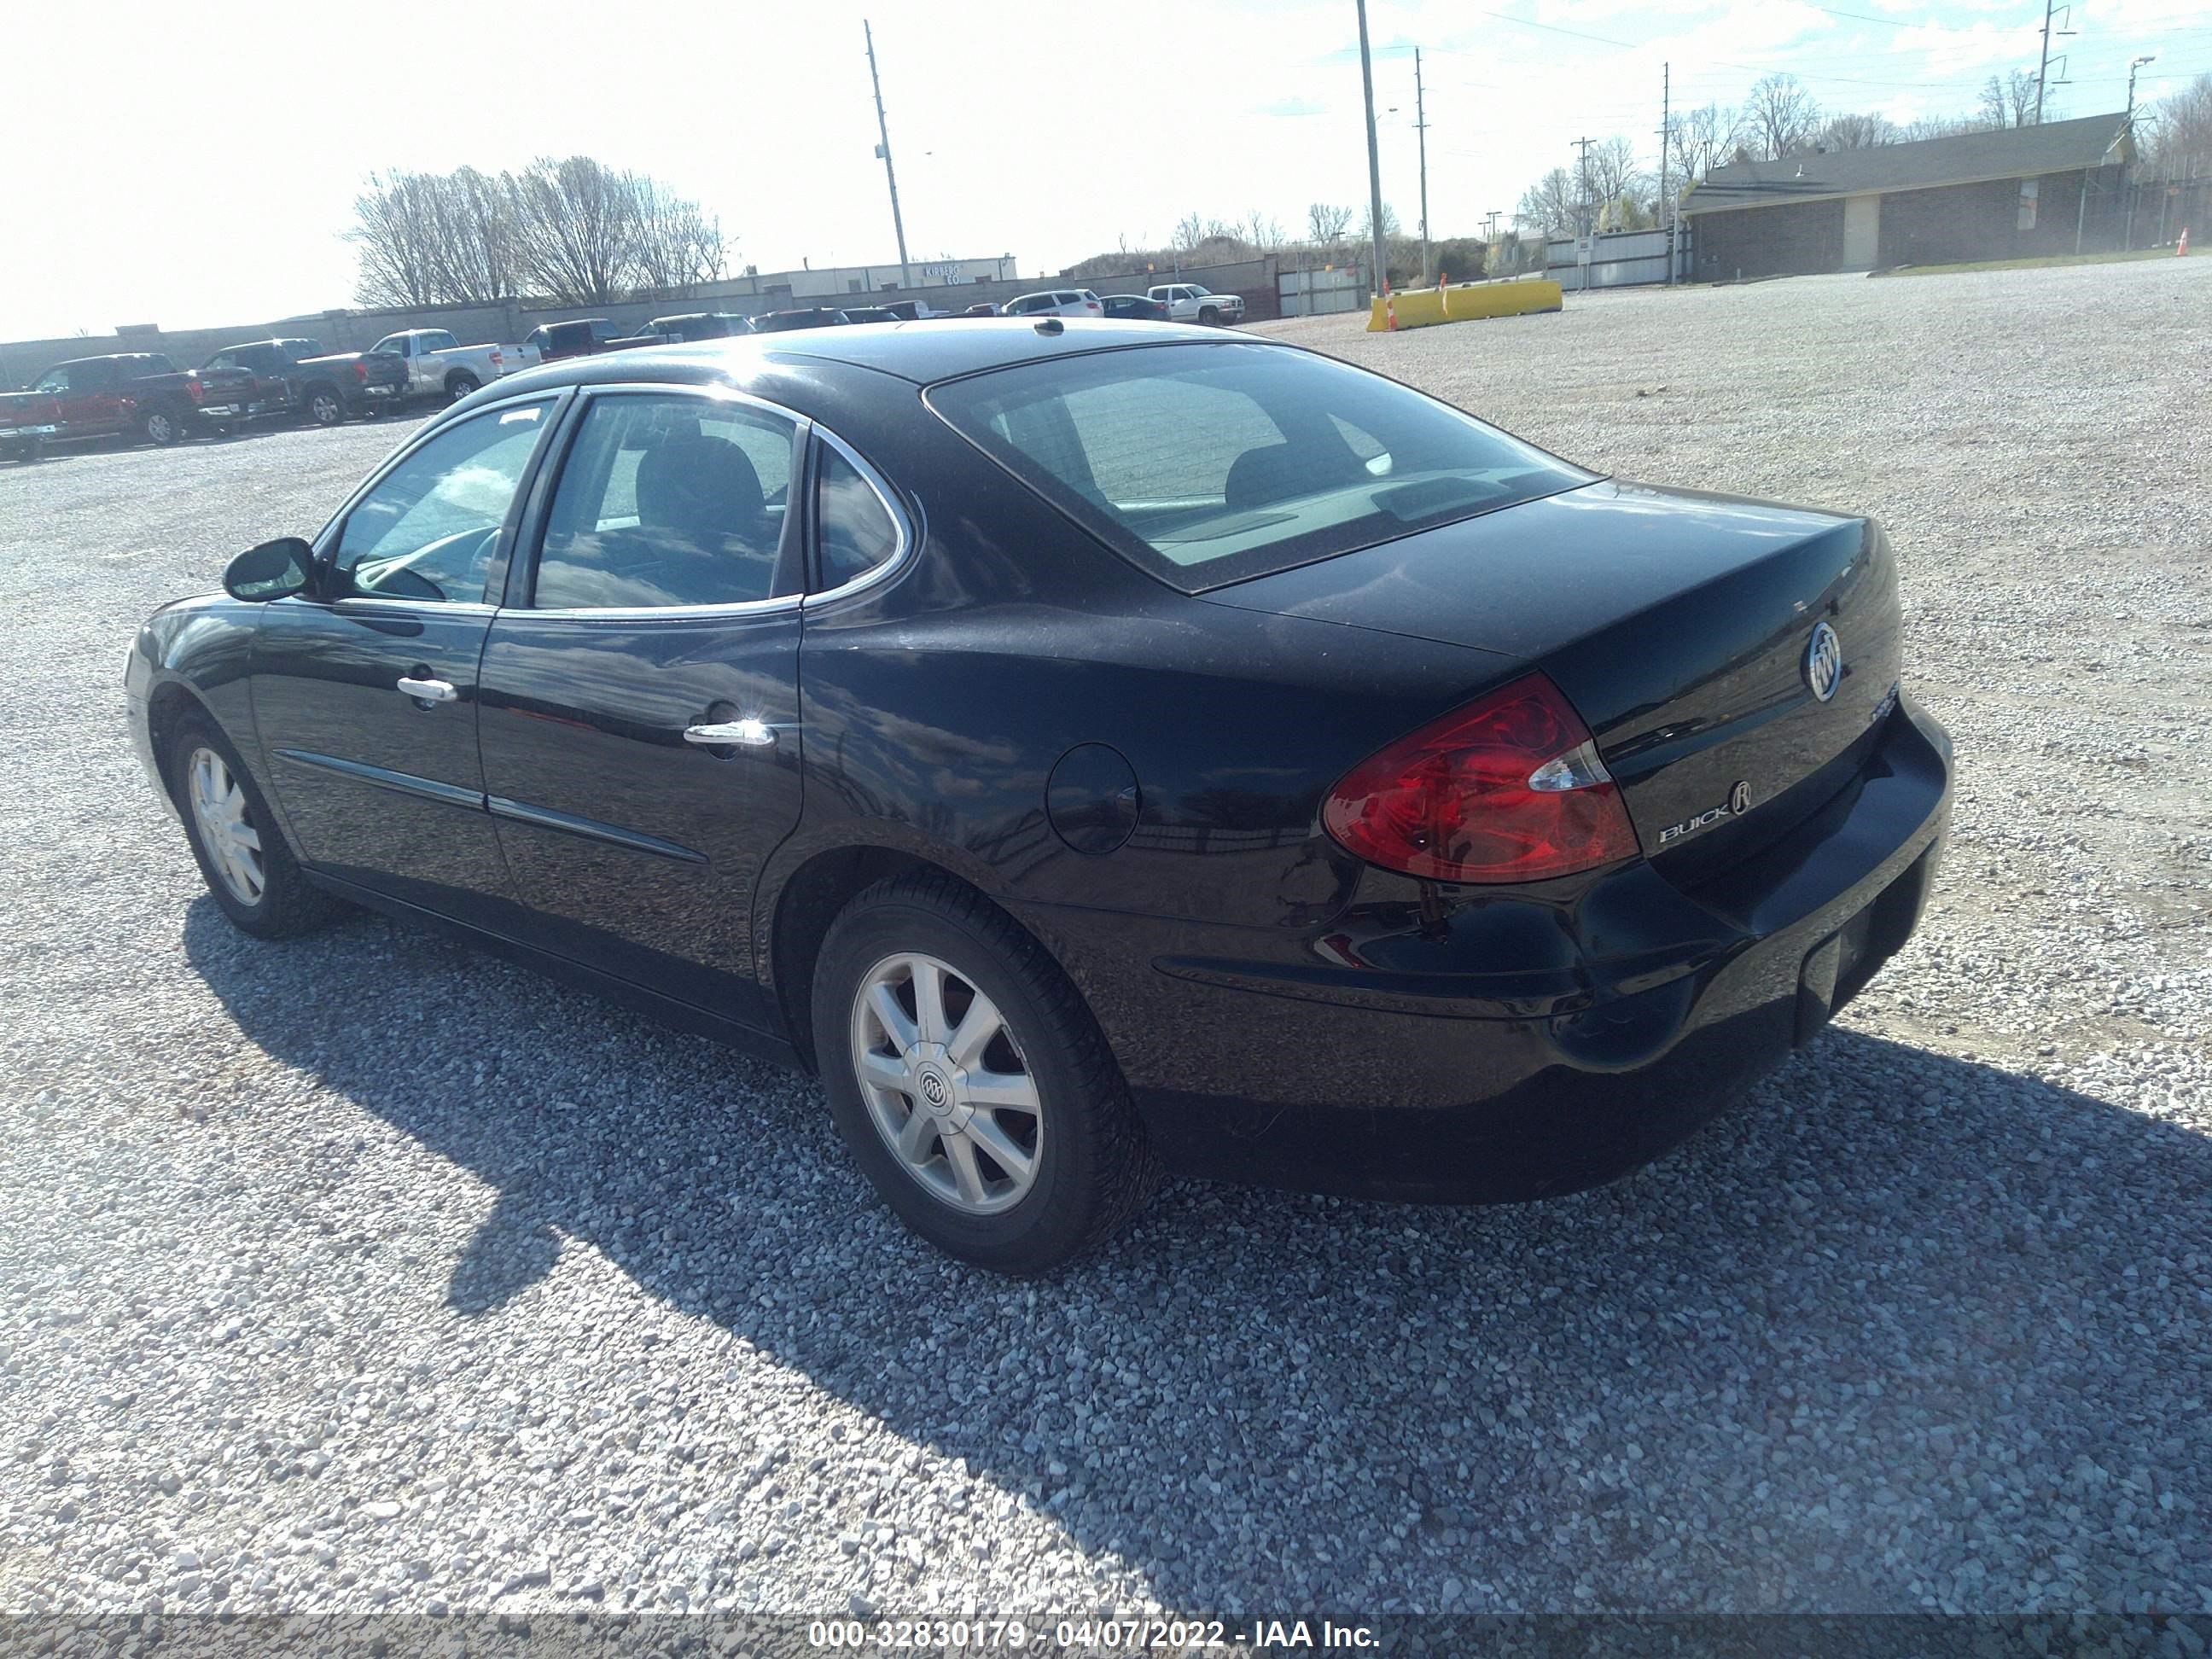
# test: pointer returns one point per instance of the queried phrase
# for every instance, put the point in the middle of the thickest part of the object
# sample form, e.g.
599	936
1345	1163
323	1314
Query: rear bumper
1479	1081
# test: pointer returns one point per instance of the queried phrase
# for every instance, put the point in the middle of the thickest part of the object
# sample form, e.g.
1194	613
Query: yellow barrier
1418	308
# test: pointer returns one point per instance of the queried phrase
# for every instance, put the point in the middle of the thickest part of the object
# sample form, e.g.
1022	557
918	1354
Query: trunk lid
1680	625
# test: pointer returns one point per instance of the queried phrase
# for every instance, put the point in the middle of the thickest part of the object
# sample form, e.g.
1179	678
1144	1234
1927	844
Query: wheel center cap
936	1093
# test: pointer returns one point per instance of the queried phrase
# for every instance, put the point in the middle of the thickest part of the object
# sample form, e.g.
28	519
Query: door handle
428	690
744	734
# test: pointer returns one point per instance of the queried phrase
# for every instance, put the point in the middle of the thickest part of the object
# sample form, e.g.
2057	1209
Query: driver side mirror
274	570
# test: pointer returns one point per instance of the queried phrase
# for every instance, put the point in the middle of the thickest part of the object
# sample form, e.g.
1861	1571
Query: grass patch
2028	265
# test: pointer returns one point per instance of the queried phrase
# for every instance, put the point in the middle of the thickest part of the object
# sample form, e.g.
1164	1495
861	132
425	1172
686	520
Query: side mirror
274	570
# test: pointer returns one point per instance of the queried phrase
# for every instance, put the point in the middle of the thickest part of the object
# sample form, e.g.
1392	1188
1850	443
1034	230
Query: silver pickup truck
438	366
1192	302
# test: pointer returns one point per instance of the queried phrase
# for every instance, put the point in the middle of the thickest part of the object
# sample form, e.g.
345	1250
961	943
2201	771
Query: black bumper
1488	1086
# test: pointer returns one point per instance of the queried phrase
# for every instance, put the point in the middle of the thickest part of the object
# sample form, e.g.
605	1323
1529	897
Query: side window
226	360
437	340
858	532
55	380
665	501
427	530
101	374
392	344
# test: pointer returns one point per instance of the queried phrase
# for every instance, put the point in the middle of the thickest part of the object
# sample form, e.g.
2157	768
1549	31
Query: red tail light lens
196	391
1507	789
361	371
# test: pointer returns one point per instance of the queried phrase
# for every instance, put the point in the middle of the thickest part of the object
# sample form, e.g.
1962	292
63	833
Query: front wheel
241	852
970	1083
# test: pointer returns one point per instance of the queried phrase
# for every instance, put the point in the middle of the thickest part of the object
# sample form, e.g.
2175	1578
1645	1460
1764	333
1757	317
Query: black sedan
1136	308
1094	749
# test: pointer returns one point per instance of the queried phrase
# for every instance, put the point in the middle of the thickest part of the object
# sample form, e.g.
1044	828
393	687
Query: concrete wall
506	324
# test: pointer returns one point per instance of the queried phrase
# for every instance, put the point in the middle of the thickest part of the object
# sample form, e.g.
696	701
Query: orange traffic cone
2184	247
1442	278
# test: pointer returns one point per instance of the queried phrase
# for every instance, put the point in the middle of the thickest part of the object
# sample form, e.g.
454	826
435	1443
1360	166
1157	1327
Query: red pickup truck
142	392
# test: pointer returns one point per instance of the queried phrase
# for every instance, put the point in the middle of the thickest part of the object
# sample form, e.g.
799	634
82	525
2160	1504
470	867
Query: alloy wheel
226	826
946	1084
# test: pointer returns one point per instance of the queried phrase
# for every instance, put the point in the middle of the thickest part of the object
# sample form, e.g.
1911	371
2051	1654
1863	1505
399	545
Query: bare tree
1699	140
2184	129
1551	206
1924	127
1389	223
678	244
1325	223
1857	132
1264	231
392	231
2010	101
1780	118
1190	232
1620	191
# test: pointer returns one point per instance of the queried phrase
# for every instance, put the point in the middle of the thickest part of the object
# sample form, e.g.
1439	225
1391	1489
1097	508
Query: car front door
365	695
640	732
91	395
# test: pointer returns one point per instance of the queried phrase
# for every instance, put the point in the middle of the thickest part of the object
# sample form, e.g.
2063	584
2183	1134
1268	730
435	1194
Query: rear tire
1054	1159
325	406
458	386
241	852
161	426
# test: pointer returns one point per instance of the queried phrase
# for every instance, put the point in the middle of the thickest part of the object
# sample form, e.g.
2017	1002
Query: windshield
1207	464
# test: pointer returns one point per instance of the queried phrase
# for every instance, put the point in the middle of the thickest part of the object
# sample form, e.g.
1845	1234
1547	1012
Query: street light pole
2128	238
884	150
1374	155
1421	126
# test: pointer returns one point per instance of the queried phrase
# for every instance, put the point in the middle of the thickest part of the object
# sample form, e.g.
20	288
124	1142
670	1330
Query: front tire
970	1083
241	852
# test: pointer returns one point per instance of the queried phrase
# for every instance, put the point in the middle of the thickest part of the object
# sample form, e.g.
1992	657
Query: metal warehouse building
2011	193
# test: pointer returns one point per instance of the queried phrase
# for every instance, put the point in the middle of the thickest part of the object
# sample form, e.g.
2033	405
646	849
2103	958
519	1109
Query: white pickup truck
438	366
1189	303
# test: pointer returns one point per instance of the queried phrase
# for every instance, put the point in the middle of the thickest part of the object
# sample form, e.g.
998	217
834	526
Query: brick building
2012	193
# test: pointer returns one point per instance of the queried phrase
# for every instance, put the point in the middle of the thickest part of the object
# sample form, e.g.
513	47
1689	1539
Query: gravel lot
371	1272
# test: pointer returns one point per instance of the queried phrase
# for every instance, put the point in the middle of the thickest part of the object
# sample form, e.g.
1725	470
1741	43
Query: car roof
933	350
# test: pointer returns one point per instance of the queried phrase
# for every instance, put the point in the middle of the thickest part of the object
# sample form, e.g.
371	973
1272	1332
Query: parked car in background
28	419
140	392
693	326
777	322
579	336
439	366
1056	302
294	379
1136	308
980	308
913	311
871	314
1193	302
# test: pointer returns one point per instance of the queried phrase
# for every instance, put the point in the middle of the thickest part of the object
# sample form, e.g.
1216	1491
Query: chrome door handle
428	690
744	735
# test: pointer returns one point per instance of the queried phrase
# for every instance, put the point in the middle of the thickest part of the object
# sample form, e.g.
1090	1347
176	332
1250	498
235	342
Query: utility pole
1666	202
2128	240
1374	155
884	150
1421	126
1582	180
2043	70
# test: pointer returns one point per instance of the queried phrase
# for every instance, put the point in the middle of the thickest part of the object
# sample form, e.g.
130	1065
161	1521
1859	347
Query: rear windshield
1206	464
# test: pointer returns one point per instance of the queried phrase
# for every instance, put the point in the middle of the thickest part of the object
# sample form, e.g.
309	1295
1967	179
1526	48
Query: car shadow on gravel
1900	1326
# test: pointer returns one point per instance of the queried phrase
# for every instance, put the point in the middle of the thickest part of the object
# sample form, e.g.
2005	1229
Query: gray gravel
371	1272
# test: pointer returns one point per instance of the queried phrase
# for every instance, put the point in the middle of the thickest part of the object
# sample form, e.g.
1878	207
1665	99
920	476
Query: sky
196	166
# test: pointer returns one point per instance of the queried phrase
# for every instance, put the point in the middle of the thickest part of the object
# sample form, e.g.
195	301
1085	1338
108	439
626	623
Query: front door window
427	532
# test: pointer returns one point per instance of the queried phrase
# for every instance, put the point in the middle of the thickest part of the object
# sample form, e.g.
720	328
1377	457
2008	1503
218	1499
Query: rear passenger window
858	532
668	501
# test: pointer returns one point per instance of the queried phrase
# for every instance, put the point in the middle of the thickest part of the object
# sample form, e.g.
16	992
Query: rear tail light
495	360
195	391
1507	789
361	371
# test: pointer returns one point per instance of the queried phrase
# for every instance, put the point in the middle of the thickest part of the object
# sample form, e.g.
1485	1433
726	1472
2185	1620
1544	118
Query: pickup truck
582	336
1191	302
438	366
294	378
111	396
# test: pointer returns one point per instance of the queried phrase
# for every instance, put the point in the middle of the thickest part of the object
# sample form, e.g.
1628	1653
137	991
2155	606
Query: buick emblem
933	1088
1740	799
1824	663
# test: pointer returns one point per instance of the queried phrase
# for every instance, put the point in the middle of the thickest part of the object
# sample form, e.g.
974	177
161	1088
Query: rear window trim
1585	478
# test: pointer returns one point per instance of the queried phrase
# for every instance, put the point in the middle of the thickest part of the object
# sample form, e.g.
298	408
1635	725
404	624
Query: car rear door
641	735
365	696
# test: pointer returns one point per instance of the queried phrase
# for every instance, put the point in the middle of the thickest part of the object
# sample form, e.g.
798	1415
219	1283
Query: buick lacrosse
1094	749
